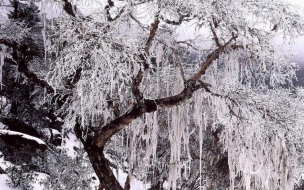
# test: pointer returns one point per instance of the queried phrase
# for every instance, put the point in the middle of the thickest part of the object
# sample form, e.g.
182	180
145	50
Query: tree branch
135	87
188	44
22	67
172	22
154	27
145	106
217	42
210	58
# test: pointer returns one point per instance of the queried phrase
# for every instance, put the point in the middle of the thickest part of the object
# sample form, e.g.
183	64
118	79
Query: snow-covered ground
68	145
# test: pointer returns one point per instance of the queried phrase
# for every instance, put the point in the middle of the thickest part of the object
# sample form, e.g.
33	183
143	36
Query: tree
121	77
24	109
127	85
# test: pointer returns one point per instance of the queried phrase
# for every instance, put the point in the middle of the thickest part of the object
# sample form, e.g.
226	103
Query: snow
55	132
135	184
3	180
3	177
8	132
2	126
68	144
37	185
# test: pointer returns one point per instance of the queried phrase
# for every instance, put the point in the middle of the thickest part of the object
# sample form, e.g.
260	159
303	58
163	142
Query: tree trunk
102	169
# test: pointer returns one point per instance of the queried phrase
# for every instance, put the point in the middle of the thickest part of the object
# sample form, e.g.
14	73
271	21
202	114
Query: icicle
1	65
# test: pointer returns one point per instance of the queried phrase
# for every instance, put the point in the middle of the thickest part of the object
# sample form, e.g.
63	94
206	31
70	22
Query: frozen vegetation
150	94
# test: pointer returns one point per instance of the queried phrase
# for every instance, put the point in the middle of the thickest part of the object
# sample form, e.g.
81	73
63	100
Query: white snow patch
2	126
135	184
3	182
69	143
8	132
55	132
40	177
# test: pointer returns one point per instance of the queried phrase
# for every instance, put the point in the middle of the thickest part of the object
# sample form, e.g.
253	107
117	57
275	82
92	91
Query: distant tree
124	79
24	104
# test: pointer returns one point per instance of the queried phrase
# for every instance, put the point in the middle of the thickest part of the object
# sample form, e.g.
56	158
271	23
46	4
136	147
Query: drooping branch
145	106
206	87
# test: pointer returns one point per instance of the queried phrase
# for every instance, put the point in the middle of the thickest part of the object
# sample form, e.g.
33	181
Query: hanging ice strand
199	121
1	64
150	136
177	136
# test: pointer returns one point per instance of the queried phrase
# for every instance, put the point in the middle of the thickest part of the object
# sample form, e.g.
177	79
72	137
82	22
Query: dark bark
99	163
127	184
68	7
102	169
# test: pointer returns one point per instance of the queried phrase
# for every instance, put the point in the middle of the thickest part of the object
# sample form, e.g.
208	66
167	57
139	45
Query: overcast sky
298	48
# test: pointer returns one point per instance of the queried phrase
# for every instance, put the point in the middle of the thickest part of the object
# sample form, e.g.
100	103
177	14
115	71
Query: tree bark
99	163
102	169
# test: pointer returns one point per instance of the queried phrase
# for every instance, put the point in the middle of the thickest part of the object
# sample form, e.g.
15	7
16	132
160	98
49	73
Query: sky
296	2
298	48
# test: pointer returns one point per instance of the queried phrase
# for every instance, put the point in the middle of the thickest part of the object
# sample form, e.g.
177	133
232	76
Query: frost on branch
225	104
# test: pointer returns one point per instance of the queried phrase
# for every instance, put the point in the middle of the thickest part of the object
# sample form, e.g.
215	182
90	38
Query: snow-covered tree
27	117
149	82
